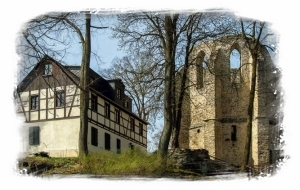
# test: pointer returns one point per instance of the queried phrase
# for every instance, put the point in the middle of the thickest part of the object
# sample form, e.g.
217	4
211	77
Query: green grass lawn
128	163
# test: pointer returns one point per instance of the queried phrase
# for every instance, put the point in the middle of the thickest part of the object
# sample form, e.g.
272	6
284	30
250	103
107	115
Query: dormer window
126	103
48	69
119	94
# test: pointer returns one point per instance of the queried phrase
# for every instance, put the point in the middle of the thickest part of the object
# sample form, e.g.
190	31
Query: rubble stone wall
216	102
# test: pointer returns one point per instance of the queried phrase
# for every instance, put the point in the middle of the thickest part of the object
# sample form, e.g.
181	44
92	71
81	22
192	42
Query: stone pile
193	160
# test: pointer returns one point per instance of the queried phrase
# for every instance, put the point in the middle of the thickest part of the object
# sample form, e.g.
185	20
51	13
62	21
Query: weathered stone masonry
215	106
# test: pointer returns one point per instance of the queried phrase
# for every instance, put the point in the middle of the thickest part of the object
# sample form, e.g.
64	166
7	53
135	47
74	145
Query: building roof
98	84
74	69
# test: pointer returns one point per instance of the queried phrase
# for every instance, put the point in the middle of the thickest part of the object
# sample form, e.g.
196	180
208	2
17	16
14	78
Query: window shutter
34	135
31	136
118	146
37	135
107	141
94	136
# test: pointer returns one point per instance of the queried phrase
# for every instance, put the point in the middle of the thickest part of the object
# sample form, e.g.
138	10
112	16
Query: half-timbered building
48	99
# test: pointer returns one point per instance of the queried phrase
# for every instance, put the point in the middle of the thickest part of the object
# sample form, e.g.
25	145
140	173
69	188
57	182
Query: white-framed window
141	129
117	116
132	124
94	103
60	98
126	104
107	110
34	102
48	69
119	97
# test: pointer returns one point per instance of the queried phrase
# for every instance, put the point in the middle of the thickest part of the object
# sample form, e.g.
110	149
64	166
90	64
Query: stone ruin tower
216	103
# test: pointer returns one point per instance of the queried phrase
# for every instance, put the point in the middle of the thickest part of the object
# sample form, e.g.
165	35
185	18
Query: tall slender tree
143	80
84	84
252	37
164	35
42	36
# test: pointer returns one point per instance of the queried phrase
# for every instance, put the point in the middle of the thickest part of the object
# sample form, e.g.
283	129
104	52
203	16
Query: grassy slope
128	163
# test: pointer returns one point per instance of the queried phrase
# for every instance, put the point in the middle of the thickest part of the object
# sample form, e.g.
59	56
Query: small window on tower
233	133
201	66
235	66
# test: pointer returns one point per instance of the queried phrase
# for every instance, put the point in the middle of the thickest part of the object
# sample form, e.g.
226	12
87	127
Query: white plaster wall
58	137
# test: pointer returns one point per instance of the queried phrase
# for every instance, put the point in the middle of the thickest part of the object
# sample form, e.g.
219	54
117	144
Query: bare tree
195	32
42	36
143	81
255	34
169	37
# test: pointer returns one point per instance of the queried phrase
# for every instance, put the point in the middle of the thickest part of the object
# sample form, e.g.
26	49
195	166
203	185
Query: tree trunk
182	88
253	45
168	91
175	143
247	149
84	83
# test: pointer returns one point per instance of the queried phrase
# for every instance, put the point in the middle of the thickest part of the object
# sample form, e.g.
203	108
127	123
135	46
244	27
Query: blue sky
107	50
282	14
